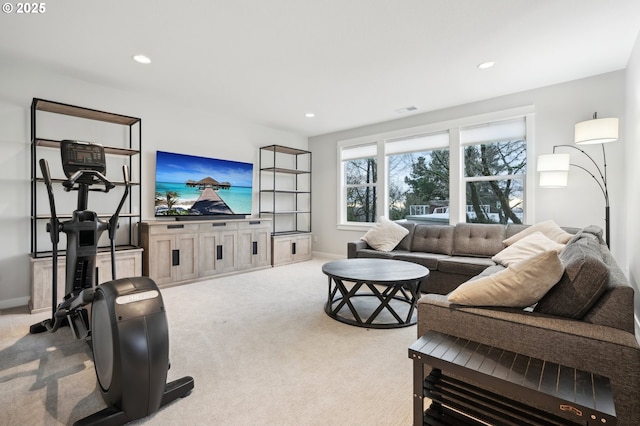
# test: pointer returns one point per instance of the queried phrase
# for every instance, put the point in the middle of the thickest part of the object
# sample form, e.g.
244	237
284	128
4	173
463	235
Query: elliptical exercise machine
127	328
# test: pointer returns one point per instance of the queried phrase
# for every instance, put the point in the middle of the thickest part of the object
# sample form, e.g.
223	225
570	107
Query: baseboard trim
14	303
327	255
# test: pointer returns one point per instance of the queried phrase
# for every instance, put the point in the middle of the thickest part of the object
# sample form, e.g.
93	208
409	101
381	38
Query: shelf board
92	114
283	170
50	143
285	150
100	215
46	254
277	233
116	183
282	191
285	212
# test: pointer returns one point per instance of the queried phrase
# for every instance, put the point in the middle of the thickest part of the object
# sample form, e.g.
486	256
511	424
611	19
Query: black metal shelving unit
285	189
129	149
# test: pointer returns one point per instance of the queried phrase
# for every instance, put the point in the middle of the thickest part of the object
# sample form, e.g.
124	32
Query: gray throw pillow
584	280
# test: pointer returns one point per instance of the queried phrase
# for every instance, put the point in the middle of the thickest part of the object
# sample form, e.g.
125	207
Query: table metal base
405	292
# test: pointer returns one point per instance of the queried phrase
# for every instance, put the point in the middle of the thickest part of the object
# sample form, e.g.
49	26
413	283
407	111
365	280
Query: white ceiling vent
407	109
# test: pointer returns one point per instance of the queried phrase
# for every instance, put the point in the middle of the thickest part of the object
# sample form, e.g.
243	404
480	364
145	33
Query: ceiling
351	62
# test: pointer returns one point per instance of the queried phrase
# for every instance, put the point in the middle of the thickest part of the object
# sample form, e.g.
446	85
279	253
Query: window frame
457	179
520	176
343	186
434	141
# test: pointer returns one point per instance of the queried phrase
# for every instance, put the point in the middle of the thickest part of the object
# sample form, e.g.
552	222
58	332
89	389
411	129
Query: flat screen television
188	186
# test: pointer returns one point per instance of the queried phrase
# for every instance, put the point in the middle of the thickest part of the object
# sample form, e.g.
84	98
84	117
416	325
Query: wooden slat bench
562	395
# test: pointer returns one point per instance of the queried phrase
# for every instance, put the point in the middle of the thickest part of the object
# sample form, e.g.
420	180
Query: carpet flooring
259	345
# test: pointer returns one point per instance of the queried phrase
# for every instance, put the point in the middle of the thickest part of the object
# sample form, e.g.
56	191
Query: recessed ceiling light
142	59
309	115
486	65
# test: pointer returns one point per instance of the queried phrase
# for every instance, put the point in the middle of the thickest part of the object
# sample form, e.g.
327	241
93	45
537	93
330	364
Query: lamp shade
553	162
598	130
553	179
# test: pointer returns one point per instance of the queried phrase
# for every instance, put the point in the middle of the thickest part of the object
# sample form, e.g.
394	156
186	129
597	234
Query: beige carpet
259	345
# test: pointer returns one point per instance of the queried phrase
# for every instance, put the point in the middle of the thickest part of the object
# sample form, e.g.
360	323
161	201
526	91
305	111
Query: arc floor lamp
554	168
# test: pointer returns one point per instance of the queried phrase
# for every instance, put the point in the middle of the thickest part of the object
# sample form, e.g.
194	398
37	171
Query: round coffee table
400	282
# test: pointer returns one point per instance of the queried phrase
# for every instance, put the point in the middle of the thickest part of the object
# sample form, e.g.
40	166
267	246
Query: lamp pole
602	183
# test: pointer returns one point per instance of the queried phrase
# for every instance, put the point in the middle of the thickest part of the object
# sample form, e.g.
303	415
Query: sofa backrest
405	243
583	282
514	228
433	239
478	239
593	288
615	308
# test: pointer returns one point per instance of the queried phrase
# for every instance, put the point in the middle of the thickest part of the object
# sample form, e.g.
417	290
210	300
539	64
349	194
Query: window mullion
457	186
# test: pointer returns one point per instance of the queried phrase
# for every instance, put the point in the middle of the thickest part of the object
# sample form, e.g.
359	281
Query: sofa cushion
489	271
385	234
583	282
375	254
428	260
476	239
548	228
520	285
529	246
433	239
464	265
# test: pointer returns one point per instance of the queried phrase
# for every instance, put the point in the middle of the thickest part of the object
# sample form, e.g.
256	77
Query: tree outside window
495	174
361	178
419	185
493	157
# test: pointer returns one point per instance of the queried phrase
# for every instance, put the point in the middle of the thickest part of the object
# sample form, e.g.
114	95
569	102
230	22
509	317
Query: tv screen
188	185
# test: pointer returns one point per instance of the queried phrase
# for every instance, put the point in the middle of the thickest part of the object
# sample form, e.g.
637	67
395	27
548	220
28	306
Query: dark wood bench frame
463	372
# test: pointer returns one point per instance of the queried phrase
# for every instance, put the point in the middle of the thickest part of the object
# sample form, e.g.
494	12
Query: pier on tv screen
189	185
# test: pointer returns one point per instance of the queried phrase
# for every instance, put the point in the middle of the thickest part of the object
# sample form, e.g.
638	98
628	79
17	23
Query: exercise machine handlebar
113	221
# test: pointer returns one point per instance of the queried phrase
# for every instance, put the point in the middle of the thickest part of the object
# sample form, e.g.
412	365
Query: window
359	172
470	169
418	177
495	161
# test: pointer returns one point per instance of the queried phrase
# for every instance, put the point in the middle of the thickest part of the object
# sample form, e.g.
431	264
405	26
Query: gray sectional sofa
452	253
585	321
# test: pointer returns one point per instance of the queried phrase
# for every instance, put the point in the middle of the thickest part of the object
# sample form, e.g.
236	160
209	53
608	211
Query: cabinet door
207	254
217	253
228	241
282	250
245	248
160	253
291	248
262	239
253	247
128	264
42	284
187	265
302	248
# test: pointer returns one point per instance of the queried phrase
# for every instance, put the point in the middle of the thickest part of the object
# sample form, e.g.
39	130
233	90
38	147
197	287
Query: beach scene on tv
198	186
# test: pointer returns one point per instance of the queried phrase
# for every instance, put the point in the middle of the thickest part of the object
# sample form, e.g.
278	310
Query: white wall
557	109
632	161
165	126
